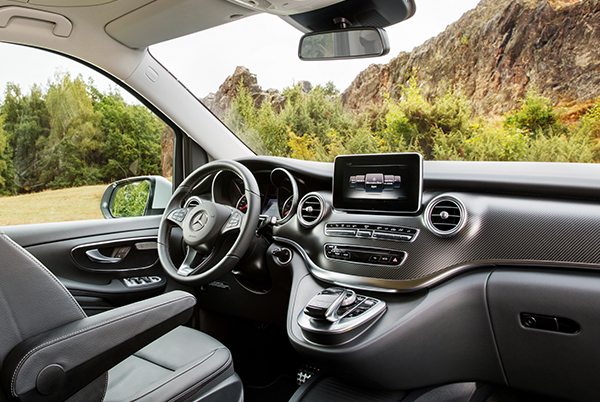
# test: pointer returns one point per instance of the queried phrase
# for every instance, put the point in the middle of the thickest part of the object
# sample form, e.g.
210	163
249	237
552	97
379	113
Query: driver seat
51	351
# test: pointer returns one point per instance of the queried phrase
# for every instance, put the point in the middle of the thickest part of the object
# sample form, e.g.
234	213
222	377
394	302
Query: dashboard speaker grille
445	215
311	210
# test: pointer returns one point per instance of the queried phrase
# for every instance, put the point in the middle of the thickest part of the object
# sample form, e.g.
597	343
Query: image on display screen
390	182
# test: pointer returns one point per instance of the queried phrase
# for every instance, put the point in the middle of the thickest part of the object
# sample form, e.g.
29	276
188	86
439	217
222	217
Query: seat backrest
32	299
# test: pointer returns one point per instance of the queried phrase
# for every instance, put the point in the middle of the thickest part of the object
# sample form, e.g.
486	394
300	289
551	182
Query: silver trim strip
324	327
412	285
294	196
109	243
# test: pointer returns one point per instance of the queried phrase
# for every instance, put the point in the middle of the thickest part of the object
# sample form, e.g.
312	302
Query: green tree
5	159
73	149
132	145
27	125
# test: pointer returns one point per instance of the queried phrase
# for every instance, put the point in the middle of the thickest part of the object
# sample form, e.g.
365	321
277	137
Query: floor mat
280	390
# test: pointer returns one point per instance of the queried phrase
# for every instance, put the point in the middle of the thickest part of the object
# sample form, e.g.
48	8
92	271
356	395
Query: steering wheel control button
353	315
370	230
364	255
178	215
234	222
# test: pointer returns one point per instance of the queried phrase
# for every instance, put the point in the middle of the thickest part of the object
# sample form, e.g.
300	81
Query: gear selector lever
325	305
336	315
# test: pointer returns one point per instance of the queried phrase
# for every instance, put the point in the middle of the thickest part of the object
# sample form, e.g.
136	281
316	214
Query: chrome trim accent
109	243
412	285
325	327
321	215
404	253
148	245
294	196
433	203
327	232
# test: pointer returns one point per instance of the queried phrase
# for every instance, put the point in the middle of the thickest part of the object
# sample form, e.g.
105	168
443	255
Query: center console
337	315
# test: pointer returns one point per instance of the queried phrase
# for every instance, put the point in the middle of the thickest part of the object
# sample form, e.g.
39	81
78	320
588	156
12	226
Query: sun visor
168	19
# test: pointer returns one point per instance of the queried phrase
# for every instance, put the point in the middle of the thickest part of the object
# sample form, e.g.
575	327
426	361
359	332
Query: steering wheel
207	226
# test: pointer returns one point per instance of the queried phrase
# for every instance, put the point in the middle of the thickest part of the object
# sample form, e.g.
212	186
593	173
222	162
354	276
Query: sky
268	47
265	44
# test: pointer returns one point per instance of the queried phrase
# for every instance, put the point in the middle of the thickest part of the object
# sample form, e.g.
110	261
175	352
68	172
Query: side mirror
347	43
136	196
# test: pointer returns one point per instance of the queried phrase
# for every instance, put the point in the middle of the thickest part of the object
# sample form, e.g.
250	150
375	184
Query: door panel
130	270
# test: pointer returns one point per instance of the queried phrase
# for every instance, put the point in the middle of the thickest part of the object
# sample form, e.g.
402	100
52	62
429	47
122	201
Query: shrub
416	124
535	116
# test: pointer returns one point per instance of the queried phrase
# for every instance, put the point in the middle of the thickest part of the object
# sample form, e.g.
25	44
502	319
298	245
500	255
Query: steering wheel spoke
177	216
186	267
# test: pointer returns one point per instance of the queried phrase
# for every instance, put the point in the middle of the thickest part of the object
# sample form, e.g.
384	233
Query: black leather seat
51	351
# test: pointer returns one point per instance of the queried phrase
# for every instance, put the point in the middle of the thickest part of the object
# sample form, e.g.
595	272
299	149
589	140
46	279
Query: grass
71	204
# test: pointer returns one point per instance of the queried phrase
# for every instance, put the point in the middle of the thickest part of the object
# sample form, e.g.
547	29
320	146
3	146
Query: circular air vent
311	209
445	215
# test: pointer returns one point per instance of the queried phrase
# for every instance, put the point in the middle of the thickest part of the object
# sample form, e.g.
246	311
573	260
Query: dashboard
457	281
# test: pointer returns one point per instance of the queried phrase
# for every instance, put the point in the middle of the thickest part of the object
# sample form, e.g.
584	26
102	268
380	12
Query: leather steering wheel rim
247	227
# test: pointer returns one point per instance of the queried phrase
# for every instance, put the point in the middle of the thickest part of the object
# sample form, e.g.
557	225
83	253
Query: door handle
95	256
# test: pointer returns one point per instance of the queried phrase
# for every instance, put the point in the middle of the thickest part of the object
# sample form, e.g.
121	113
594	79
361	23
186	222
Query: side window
66	133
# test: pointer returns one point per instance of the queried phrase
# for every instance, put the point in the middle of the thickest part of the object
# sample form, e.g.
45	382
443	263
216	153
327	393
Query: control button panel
141	281
361	306
371	231
365	255
336	315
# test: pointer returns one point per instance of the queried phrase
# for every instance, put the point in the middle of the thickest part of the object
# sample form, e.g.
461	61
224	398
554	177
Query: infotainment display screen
378	183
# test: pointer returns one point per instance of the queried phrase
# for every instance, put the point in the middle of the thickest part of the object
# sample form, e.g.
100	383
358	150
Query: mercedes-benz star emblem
200	221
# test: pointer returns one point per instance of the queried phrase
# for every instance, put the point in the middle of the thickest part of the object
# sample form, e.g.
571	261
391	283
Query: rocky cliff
495	53
220	102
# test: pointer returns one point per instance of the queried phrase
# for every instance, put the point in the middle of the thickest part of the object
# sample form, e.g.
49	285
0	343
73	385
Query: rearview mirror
347	43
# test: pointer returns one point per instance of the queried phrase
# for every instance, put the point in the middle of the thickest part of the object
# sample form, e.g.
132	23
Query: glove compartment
547	328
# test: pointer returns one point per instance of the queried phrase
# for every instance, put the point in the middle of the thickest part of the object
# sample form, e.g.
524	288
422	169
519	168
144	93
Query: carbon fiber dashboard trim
413	285
501	229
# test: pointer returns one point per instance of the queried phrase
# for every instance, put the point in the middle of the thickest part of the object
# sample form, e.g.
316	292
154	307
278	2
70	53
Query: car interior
379	277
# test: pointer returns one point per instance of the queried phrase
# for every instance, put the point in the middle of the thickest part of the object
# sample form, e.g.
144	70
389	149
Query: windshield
463	81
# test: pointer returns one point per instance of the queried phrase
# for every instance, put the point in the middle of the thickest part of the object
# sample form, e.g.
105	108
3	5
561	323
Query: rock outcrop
494	53
220	102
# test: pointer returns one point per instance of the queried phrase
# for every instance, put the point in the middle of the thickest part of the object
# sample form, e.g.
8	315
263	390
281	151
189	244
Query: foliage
416	124
71	134
27	125
4	160
130	199
589	125
315	126
132	139
536	116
